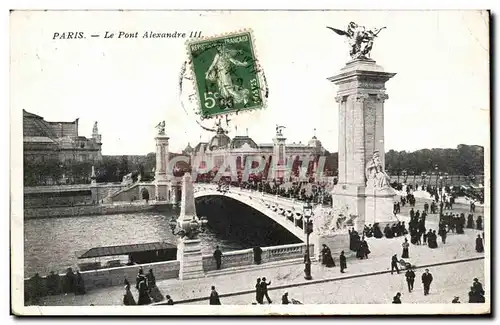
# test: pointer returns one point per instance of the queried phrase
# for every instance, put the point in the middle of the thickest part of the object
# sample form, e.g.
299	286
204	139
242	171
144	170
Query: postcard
250	162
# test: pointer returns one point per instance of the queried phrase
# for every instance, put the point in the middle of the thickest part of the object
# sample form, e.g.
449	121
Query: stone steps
253	267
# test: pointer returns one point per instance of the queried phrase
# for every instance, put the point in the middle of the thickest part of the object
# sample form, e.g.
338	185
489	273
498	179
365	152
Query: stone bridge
286	212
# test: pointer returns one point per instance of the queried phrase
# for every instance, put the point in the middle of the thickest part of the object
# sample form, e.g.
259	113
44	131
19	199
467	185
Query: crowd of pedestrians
476	293
54	284
147	290
302	191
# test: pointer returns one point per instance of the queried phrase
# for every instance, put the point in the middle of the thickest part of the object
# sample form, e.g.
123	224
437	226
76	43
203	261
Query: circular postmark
222	76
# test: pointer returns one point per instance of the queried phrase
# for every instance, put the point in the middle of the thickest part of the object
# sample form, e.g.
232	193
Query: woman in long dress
366	248
406	247
479	223
128	298
327	258
432	239
470	221
154	291
144	298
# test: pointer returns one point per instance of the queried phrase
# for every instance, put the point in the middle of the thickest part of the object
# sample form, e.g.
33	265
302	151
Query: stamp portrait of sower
226	74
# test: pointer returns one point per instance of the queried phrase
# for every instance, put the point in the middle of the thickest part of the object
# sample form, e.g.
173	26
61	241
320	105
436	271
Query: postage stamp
225	72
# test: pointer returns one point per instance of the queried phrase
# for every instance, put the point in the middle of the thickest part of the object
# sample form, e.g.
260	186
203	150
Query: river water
53	244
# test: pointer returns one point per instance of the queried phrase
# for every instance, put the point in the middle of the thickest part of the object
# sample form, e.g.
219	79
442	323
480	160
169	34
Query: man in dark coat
442	232
214	297
426	281
343	262
421	230
410	279
394	264
284	299
257	255
263	285
218	257
479	244
258	292
388	232
478	286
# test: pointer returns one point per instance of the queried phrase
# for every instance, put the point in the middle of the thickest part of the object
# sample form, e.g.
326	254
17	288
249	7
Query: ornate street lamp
436	168
424	176
308	229
404	173
192	228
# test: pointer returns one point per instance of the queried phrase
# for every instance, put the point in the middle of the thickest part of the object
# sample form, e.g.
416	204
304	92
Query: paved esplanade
451	280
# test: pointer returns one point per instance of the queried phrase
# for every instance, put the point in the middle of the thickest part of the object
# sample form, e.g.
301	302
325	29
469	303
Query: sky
439	97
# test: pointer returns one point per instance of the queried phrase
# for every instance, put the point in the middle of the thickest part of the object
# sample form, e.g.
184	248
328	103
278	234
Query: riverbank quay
459	248
93	210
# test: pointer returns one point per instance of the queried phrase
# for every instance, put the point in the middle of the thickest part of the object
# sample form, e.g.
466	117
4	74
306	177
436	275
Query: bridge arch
286	216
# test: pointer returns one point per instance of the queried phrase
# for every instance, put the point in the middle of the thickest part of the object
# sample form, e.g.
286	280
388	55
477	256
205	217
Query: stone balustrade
108	277
246	257
229	259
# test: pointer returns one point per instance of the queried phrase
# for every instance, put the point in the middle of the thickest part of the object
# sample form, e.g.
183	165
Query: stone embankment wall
102	278
87	210
108	277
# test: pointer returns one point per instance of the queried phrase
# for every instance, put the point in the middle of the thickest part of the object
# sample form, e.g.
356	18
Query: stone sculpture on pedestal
375	174
360	39
330	229
363	188
163	186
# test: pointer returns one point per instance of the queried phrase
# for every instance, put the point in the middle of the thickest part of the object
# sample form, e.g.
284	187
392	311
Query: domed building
277	154
188	150
60	141
219	141
244	142
316	145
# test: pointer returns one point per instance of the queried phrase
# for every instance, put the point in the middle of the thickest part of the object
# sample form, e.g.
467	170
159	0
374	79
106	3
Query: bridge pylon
189	246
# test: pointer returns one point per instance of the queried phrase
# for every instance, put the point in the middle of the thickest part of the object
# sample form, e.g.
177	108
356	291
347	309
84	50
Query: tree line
464	160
